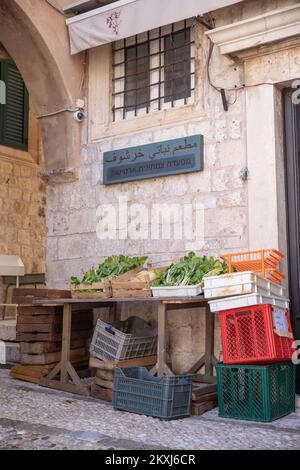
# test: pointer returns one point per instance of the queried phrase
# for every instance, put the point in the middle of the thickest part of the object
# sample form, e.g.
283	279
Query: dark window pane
14	114
137	76
177	65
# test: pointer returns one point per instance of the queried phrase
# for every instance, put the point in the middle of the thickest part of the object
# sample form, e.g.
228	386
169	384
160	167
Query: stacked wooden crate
39	331
135	283
102	386
204	398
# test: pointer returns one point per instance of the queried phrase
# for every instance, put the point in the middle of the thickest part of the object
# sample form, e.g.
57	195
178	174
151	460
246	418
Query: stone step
9	352
8	330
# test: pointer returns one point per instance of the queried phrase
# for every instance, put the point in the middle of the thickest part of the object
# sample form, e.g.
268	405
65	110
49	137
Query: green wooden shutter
14	114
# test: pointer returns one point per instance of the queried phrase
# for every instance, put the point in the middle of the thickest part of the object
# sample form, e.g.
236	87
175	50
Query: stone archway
36	37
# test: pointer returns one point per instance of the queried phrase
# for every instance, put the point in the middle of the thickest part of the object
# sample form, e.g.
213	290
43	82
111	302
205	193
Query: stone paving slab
32	417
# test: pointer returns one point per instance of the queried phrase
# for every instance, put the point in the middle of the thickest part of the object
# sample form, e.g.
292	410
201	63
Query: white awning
125	18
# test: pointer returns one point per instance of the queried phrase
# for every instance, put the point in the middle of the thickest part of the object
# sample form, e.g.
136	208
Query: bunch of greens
190	271
111	267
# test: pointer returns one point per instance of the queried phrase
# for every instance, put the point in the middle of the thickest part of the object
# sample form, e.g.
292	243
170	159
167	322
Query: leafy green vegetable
113	266
190	271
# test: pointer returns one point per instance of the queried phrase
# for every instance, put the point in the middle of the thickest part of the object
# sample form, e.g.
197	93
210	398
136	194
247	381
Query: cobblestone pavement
32	417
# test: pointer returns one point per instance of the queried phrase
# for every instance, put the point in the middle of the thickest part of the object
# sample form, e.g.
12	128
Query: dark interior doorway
292	147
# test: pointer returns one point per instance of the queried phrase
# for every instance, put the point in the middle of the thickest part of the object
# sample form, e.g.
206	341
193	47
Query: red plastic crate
249	336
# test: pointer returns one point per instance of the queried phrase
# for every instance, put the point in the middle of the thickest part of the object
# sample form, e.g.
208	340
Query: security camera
79	116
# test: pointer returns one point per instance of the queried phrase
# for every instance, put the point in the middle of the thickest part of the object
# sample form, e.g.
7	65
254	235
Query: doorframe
292	179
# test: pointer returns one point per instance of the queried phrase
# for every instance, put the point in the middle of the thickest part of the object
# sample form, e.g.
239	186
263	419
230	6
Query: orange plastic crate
260	261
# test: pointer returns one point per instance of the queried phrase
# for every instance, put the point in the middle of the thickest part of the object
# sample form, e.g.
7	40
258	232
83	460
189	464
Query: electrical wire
235	88
59	111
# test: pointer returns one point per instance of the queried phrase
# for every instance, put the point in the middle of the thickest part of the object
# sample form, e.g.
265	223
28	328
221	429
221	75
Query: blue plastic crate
137	391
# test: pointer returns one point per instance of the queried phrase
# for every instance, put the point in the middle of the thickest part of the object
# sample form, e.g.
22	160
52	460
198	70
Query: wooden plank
65	387
25	296
66	341
204	389
36	328
200	408
25	378
209	341
50	358
208	397
131	285
105	374
34	321
38	320
33	337
31	371
39	310
110	365
104	383
101	393
48	347
127	276
162	348
118	293
206	379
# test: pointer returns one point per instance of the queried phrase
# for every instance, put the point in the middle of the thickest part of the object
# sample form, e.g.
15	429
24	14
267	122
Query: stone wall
22	206
72	244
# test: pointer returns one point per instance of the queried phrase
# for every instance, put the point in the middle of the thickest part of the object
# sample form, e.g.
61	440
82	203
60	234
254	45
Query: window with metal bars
154	70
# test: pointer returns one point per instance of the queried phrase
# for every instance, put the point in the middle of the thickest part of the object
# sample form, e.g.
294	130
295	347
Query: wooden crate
201	390
39	323
130	285
199	408
101	393
102	386
204	398
99	290
53	357
49	347
51	336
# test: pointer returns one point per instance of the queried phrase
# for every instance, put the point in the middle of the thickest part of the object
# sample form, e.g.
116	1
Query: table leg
209	342
66	342
208	359
112	315
64	367
161	367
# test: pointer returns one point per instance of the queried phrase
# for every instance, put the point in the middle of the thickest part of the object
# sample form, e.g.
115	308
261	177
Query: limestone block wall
72	242
22	206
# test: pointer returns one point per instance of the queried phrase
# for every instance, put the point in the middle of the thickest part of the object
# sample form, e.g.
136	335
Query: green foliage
111	267
190	271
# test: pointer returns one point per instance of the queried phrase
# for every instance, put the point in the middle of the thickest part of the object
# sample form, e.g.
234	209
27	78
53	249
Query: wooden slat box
132	284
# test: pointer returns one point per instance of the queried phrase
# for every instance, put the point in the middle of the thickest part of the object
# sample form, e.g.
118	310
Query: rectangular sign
171	157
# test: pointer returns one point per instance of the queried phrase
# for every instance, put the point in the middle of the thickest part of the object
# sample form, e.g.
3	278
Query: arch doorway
34	49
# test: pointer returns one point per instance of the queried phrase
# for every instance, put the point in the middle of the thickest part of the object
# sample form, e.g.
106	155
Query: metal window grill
154	70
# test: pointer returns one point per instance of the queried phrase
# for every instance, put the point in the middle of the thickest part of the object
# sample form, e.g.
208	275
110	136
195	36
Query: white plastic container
240	283
247	301
177	291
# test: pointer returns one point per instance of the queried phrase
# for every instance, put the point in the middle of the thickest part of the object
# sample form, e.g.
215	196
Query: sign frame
166	158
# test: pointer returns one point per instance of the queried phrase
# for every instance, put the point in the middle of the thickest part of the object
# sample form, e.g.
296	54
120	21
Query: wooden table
66	371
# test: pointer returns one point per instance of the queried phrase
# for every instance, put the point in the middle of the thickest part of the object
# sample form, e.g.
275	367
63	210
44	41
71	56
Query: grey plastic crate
137	391
130	339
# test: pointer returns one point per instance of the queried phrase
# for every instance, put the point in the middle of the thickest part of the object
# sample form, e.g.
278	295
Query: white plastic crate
240	283
247	301
177	291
